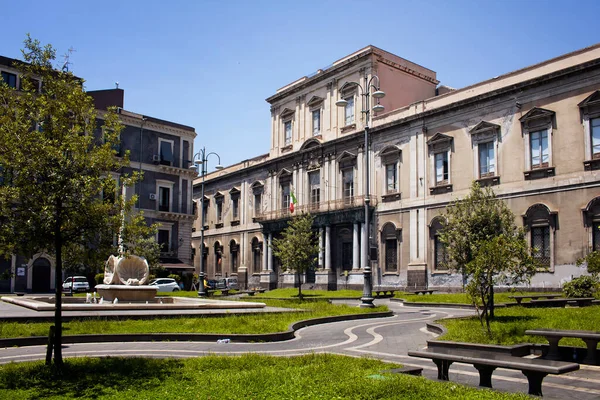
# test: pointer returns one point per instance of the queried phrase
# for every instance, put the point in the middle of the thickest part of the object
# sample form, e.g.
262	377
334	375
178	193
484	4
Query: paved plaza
387	339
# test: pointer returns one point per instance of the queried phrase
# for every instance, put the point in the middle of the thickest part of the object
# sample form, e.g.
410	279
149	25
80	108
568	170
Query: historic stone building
532	134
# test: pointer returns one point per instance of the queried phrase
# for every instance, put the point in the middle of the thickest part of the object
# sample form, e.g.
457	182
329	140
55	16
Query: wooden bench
248	292
553	336
423	291
486	362
562	302
224	292
519	299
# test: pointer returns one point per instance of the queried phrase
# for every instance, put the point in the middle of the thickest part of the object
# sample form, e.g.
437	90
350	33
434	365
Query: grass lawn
292	293
212	377
461	298
510	325
241	323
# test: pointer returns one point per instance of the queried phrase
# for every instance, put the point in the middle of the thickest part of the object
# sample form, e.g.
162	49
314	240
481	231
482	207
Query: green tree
57	192
298	247
139	238
477	231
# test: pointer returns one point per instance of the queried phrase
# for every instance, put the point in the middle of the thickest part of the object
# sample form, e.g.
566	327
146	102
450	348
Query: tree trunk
491	300
58	359
299	286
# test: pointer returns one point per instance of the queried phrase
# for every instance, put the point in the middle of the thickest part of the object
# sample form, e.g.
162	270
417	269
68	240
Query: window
391	178
166	152
314	181
285	195
349	111
539	149
257	203
487	162
439	251
164	198
256	256
287	128
218	258
235	207
316	122
540	224
219	203
9	79
596	236
441	168
233	252
163	240
390	241
205	205
348	184
540	245
595	128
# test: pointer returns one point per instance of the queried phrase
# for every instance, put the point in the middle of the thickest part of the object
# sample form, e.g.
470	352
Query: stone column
265	252
363	246
327	247
321	248
270	256
355	248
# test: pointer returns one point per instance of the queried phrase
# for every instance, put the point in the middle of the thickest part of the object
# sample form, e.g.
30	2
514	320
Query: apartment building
532	134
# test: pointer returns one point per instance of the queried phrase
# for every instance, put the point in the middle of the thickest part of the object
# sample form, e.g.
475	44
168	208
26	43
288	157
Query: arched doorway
40	282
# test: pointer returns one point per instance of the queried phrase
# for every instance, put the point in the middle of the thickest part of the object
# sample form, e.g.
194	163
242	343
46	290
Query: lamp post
200	160
369	84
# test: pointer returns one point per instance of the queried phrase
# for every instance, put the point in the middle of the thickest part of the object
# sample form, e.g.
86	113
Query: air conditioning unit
152	196
156	158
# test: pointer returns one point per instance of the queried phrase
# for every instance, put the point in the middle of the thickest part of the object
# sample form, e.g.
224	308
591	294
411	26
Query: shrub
175	276
151	277
99	278
583	286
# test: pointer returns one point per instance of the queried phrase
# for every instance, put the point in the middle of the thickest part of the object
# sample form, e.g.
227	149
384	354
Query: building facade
162	150
532	134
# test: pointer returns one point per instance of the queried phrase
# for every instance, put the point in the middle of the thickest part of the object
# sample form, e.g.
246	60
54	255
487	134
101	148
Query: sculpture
125	278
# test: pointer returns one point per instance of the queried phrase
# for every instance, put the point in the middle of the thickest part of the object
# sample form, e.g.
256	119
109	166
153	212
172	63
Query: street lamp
367	297
200	160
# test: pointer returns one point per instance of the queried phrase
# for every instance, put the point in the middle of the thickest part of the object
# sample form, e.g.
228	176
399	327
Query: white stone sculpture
129	271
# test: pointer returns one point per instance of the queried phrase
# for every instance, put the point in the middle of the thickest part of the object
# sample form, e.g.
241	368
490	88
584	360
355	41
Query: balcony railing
315	208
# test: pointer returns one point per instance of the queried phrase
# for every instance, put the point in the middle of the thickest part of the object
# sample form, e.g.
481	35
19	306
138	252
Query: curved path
388	339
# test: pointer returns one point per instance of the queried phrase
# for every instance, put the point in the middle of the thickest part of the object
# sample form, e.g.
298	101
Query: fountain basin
127	293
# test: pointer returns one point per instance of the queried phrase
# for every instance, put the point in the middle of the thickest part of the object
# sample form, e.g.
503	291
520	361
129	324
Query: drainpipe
141	154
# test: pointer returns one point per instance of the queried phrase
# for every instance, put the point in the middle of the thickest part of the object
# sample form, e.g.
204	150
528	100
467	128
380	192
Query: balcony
316	208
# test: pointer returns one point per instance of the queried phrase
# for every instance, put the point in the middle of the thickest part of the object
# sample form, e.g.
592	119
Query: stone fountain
125	279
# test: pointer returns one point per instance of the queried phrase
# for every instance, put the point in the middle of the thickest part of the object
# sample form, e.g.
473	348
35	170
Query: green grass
232	324
292	293
245	377
461	298
510	324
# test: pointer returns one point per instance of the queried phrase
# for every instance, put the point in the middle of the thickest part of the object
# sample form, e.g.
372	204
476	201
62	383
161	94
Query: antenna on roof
117	85
67	57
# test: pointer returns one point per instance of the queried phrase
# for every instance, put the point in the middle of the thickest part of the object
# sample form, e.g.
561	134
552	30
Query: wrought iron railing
315	208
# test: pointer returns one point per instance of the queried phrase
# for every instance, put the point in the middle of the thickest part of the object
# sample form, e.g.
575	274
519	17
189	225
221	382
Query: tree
57	194
484	244
298	247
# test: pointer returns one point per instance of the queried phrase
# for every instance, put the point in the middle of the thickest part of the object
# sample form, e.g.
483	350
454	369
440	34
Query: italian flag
292	201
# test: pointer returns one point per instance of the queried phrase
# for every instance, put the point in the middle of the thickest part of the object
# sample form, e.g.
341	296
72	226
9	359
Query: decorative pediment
484	127
285	174
310	144
440	139
218	195
206	199
234	191
592	100
314	101
537	114
388	151
345	156
258	185
286	113
348	89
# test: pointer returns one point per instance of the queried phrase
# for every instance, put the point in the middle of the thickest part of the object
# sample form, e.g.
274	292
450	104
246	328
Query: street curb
446	305
191	337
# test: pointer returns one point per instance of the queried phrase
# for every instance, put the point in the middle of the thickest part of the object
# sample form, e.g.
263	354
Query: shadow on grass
513	318
88	377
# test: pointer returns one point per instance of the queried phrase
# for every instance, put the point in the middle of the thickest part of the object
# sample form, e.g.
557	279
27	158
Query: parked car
79	284
214	284
165	284
231	283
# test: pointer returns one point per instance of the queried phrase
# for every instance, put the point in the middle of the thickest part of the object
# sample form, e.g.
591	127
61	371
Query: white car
79	283
165	284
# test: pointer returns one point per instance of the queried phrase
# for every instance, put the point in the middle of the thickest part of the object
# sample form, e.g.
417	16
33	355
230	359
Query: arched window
440	253
591	219
256	255
540	222
218	258
389	240
233	252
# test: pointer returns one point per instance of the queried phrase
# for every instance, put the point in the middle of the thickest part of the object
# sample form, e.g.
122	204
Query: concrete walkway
388	339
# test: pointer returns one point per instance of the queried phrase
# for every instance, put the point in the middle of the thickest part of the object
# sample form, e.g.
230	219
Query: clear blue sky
211	64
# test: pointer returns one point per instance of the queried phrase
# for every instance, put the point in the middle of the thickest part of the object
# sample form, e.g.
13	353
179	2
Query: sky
212	64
